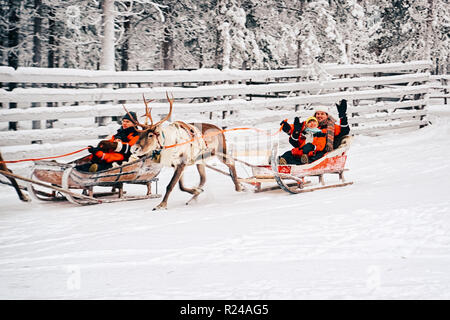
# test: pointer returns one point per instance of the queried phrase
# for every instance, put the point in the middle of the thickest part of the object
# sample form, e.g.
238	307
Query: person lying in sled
334	132
311	143
117	148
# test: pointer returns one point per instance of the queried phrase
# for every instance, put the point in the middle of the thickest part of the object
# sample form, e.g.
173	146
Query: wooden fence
58	110
440	87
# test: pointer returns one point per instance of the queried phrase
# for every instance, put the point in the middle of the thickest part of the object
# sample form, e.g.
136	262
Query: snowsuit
128	138
312	141
334	133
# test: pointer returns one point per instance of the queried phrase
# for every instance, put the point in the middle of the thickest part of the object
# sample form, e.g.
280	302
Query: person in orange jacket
333	132
117	148
310	141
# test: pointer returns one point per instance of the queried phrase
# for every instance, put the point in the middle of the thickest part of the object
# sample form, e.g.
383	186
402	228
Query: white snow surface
387	236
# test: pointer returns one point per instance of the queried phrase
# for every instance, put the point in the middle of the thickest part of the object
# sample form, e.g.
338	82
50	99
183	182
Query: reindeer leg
176	176
21	195
197	190
14	183
230	164
202	172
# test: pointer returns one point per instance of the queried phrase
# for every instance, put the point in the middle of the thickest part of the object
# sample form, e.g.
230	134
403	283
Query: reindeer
14	183
168	146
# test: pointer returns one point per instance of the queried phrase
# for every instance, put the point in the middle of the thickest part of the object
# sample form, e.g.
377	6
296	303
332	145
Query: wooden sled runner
291	178
65	179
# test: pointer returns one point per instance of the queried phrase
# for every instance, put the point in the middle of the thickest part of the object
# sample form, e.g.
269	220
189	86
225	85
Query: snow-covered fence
440	87
381	97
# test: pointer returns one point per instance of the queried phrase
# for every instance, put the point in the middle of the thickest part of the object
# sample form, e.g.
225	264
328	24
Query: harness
191	130
157	152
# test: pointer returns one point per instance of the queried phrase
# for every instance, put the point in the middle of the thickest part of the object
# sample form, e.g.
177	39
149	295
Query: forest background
239	34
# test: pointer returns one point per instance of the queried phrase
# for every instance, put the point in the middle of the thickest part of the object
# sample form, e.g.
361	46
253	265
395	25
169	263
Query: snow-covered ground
387	236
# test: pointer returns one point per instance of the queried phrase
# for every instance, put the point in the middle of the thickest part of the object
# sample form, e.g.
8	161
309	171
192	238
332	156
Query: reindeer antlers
148	114
170	111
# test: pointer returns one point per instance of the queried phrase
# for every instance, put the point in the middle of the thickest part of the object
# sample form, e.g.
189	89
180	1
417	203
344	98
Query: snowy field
387	236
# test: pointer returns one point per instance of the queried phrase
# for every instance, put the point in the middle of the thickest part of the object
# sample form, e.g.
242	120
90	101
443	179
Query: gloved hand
342	108
92	149
297	129
295	135
308	148
297	124
286	127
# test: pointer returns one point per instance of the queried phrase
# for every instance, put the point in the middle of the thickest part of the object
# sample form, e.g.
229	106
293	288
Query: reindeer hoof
159	207
197	191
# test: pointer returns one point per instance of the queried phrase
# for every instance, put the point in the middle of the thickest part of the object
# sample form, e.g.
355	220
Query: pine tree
353	21
414	30
319	35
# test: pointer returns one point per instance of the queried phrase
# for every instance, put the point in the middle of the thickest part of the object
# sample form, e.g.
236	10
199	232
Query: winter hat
311	130
322	108
132	118
311	119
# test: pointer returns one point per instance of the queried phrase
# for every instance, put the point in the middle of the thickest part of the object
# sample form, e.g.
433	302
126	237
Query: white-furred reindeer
181	144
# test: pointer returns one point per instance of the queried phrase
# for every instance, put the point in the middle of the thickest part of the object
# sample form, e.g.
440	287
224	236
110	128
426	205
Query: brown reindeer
13	181
180	144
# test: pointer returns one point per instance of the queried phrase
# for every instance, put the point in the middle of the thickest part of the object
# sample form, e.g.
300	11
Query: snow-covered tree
240	46
180	34
413	30
353	22
319	35
271	23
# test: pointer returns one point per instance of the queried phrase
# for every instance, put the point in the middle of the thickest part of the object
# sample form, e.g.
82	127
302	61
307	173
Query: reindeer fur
185	154
13	181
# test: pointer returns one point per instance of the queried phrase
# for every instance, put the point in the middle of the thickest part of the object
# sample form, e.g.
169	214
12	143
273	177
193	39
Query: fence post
36	124
12	105
444	82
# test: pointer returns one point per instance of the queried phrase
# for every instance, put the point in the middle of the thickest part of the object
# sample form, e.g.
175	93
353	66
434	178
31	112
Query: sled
68	182
293	178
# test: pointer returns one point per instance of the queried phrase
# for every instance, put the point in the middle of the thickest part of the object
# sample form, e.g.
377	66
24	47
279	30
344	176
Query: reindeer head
149	136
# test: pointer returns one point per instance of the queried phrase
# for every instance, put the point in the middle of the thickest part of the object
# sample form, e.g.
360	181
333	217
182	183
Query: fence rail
382	97
45	75
440	87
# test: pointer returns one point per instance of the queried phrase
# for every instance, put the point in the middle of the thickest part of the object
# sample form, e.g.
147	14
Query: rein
44	158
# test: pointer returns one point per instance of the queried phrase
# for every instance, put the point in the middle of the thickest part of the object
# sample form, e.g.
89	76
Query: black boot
289	158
